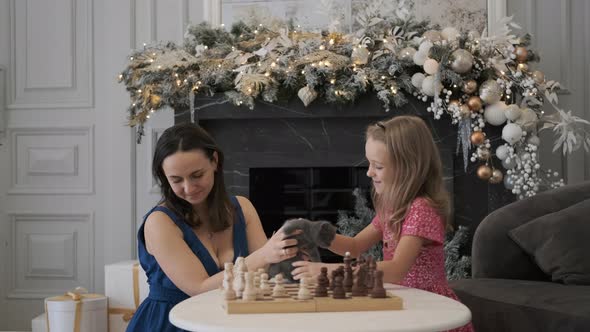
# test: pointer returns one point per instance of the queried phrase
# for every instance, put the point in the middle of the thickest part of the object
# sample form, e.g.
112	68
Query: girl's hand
307	269
278	247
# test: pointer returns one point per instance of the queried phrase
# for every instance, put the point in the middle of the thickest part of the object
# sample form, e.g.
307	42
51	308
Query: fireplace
293	161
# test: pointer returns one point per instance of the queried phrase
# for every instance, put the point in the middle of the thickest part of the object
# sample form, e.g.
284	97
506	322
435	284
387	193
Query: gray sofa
531	265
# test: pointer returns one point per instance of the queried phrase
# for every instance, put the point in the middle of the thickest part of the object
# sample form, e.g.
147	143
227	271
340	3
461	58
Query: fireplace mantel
291	135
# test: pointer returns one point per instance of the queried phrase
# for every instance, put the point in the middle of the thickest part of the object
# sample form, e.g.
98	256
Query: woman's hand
279	247
307	269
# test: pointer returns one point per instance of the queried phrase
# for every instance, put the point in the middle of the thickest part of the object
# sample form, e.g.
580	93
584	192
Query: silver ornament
509	182
307	95
490	92
462	61
509	163
407	53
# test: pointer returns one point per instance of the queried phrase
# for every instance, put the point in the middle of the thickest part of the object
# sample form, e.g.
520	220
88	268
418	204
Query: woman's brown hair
189	137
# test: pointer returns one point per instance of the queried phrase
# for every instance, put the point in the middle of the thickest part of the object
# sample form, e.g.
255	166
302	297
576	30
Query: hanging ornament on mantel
307	95
521	53
484	172
497	176
477	138
462	61
490	92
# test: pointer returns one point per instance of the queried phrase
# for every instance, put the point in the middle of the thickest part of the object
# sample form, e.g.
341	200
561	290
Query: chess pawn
264	286
304	293
378	291
228	274
358	289
338	292
321	289
250	292
229	293
348	276
279	290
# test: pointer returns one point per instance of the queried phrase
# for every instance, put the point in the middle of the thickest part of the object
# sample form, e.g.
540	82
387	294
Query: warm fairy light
327	63
383	77
151	60
139	90
175	74
131	58
120	77
154	54
267	74
147	116
222	25
331	42
273	64
159	67
332	81
259	64
219	66
178	82
255	32
322	47
303	72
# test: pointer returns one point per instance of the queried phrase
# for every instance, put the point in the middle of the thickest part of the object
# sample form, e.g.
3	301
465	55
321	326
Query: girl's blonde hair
415	169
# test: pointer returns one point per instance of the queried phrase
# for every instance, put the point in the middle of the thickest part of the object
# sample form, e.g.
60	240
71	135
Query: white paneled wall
561	35
74	183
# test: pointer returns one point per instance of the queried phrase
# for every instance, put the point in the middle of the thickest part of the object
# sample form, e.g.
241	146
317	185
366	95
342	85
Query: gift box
125	286
38	323
77	311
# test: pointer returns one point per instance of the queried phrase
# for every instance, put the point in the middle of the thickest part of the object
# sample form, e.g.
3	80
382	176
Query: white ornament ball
419	58
502	152
508	182
490	92
494	114
428	86
450	33
417	80
512	112
534	140
511	133
425	46
509	163
462	61
431	66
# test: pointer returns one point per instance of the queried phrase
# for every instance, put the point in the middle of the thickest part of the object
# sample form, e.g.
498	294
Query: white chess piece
228	274
228	288
250	292
279	289
304	293
239	283
264	285
238	265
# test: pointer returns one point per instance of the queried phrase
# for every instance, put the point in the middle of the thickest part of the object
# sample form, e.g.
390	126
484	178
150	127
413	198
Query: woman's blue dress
152	314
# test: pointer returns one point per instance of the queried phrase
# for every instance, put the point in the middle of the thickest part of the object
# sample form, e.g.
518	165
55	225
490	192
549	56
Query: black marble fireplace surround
291	139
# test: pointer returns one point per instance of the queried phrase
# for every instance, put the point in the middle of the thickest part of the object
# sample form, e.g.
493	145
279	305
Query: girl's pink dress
428	272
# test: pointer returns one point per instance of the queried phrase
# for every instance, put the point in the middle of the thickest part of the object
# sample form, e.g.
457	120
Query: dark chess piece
321	289
359	289
369	279
334	275
348	275
378	291
338	292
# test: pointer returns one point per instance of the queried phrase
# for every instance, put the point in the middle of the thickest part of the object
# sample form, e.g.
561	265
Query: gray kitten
315	234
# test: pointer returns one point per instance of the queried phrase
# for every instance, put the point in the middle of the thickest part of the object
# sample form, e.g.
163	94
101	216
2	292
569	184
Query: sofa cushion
559	243
518	305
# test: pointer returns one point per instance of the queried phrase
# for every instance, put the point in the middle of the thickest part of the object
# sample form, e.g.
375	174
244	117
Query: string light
331	42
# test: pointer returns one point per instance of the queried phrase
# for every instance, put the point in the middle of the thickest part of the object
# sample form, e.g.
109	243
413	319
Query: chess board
268	304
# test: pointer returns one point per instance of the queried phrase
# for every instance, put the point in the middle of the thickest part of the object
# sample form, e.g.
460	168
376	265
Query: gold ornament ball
464	111
497	176
155	100
474	103
538	76
470	87
521	53
477	138
454	102
523	67
484	172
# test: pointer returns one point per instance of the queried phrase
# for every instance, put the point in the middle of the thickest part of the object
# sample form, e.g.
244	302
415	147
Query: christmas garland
476	79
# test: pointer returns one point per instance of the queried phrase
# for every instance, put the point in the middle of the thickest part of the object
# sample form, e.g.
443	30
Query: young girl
185	240
412	209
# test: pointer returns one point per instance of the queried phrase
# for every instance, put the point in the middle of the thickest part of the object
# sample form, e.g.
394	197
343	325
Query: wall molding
81	178
82	232
75	94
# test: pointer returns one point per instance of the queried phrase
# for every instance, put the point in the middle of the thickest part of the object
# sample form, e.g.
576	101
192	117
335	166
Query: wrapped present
76	311
125	286
38	323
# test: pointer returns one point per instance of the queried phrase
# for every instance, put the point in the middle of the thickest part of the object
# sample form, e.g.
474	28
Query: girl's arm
406	253
357	245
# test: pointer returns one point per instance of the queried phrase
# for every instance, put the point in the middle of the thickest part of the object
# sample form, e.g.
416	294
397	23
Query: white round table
423	311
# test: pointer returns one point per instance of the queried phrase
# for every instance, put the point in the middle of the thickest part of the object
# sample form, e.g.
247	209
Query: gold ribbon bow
128	313
77	295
